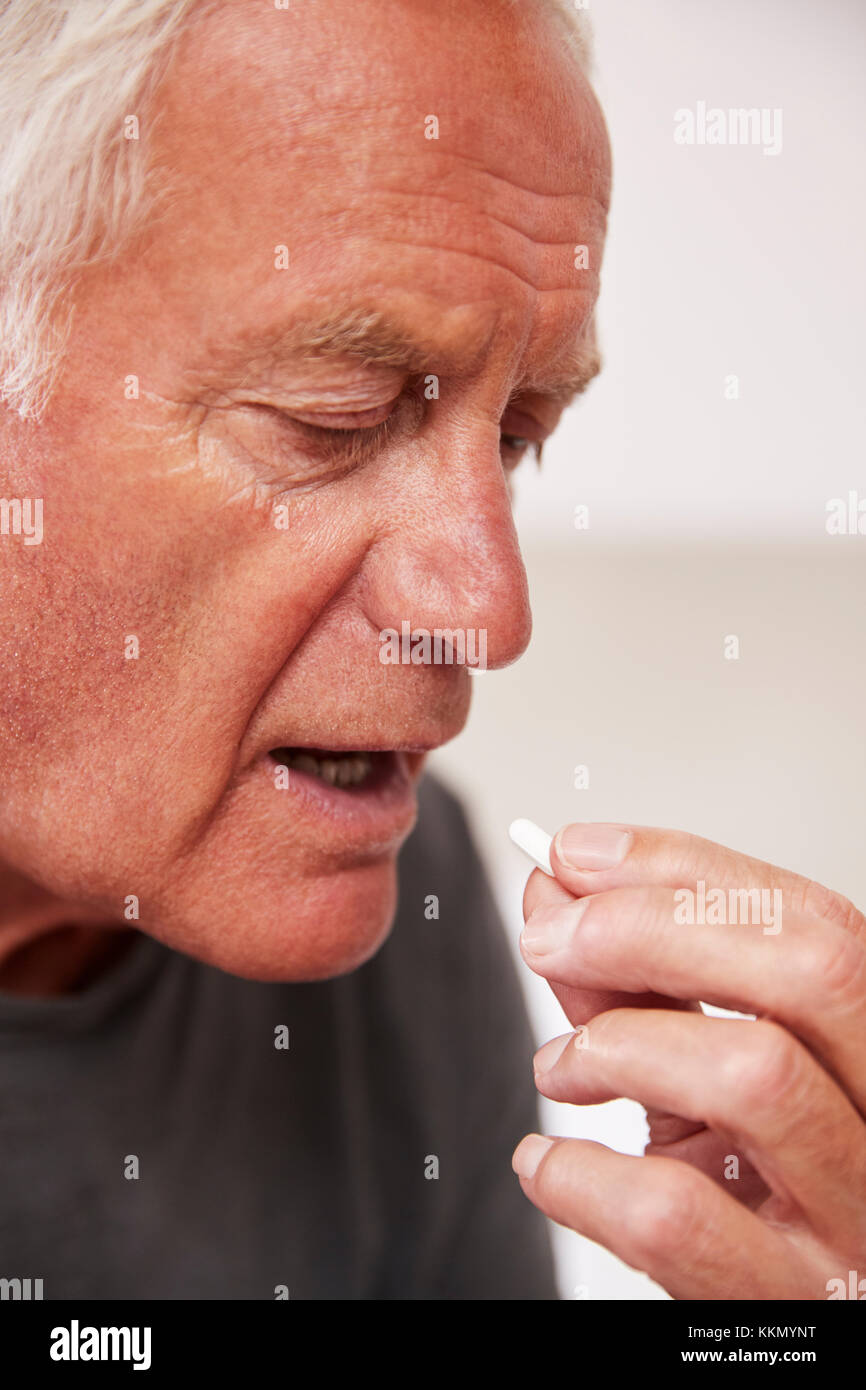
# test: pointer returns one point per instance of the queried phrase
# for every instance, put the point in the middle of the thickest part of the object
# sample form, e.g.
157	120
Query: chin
312	928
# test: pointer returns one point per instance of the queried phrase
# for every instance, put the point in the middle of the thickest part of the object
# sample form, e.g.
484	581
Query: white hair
72	182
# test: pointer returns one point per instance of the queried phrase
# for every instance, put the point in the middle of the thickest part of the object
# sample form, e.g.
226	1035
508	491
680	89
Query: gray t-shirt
262	1168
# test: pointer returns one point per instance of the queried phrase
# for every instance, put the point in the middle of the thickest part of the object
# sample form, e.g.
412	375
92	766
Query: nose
454	562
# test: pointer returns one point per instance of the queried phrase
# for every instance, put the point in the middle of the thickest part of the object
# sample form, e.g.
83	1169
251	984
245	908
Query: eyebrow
373	337
571	376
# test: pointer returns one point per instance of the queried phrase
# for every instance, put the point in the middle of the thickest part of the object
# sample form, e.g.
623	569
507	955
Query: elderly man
289	290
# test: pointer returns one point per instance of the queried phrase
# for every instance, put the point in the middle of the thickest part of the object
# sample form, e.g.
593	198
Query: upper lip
345	734
419	747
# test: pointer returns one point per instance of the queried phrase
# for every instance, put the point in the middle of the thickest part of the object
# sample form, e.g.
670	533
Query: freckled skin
304	128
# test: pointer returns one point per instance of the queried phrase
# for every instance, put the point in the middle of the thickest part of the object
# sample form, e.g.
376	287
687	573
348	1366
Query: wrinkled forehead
389	91
456	150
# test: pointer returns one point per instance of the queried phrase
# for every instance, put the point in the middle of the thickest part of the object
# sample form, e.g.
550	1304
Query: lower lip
377	816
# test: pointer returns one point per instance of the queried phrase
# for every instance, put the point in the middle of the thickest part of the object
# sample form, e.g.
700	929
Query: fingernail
549	929
548	1056
529	1153
592	846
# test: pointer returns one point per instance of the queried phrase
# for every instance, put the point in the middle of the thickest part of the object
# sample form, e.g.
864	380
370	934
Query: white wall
723	260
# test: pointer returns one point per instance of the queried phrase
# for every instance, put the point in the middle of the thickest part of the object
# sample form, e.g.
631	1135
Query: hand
753	1184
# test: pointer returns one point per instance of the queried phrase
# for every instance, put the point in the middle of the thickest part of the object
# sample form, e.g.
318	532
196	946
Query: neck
48	947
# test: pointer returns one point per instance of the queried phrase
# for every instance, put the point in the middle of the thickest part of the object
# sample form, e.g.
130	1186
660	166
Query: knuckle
594	936
760	1072
609	1027
681	849
815	900
690	857
665	1215
650	911
833	965
638	914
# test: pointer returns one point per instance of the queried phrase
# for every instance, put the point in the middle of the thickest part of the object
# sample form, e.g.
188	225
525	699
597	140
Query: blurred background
706	498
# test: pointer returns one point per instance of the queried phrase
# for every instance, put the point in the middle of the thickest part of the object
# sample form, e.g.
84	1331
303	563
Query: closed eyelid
352	433
517	422
345	421
342	439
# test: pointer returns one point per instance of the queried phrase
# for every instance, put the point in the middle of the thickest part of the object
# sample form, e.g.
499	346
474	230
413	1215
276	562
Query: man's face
264	509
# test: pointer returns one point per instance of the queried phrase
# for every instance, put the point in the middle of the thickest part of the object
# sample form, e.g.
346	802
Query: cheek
89	729
143	633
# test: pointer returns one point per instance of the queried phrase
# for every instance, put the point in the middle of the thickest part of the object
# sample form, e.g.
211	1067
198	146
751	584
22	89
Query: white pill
533	841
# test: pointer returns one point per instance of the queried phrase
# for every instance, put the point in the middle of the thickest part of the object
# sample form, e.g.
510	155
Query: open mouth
347	770
366	796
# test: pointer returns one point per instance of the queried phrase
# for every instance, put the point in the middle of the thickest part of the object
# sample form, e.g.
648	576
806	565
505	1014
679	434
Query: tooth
302	762
343	774
352	771
349	770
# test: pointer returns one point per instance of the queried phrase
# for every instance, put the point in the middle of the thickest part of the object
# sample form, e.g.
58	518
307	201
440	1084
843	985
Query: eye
521	431
515	443
353	422
310	448
514	448
353	441
350	436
